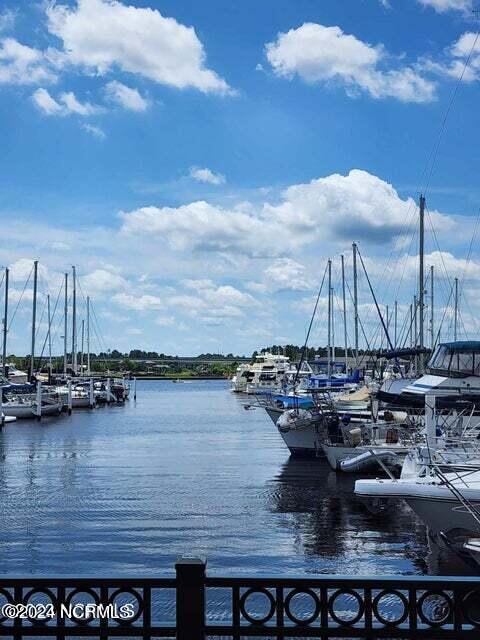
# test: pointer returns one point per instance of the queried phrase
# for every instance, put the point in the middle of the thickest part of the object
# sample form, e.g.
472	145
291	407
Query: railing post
190	598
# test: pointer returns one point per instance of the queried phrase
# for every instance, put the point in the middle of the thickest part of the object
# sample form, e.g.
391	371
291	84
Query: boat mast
49	334
415	327
65	327
81	352
345	343
432	326
74	323
34	317
88	335
355	299
421	283
455	320
333	330
395	320
329	318
5	325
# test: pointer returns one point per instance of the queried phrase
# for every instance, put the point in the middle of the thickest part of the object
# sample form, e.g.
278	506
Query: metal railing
192	606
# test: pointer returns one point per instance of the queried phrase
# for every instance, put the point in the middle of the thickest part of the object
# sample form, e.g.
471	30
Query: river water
125	490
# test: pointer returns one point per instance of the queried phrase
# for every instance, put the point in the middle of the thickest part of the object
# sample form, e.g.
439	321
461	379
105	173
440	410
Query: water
124	490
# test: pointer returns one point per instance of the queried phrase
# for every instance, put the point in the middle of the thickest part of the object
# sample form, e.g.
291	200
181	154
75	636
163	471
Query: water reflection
342	533
186	470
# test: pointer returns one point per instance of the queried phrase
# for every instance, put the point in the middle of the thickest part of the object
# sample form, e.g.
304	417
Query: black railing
192	606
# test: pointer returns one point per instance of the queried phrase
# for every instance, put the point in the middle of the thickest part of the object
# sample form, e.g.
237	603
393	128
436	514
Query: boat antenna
304	349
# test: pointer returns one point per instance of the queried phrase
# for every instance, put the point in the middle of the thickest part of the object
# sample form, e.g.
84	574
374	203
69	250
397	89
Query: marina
127	489
239	320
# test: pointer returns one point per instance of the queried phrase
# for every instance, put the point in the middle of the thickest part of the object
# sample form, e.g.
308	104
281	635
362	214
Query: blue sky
199	162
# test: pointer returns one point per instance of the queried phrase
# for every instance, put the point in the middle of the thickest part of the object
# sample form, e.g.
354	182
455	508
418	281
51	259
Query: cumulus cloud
317	53
143	302
100	281
67	104
20	64
126	97
203	300
206	175
453	64
286	273
448	5
335	208
100	35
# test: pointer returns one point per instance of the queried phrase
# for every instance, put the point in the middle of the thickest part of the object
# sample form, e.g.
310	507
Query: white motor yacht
265	375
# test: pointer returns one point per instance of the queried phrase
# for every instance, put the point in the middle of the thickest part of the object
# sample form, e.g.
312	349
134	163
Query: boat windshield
455	361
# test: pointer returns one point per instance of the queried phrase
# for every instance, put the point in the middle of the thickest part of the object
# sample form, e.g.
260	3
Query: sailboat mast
432	326
329	318
5	325
345	344
455	320
395	320
88	335
49	334
421	277
355	299
74	322
333	329
81	352
65	327
415	327
34	317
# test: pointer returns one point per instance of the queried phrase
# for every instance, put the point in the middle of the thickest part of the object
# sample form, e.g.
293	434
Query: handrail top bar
358	581
168	581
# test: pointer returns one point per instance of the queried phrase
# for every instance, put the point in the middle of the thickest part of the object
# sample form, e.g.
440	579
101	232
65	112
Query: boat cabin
456	359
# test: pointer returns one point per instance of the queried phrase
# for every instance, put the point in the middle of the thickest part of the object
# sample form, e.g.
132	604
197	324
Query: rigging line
20	299
375	300
359	322
434	153
95	322
52	318
302	357
445	309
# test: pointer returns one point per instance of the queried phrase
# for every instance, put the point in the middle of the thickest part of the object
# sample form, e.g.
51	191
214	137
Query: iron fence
194	606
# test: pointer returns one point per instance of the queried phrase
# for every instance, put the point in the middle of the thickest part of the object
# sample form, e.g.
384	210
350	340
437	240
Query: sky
199	163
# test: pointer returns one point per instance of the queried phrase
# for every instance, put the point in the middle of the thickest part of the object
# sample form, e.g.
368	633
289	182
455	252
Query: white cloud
22	268
72	105
336	208
447	5
102	281
286	273
47	105
67	104
100	35
326	54
142	302
206	175
126	97
94	130
453	64
20	64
